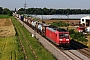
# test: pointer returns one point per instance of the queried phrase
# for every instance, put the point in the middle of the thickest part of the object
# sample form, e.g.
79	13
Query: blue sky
57	4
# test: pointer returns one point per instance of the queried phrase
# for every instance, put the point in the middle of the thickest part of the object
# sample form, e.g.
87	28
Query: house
85	20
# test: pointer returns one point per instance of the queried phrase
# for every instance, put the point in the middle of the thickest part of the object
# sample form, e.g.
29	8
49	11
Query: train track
84	52
82	49
72	55
68	54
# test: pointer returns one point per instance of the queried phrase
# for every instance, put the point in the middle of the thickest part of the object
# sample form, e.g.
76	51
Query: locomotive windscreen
61	30
61	35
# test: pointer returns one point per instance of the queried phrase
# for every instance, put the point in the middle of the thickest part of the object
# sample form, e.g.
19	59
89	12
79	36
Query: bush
60	24
82	39
71	31
9	13
77	36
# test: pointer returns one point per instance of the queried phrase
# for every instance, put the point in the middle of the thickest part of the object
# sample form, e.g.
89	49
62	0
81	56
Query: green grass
41	52
4	16
8	48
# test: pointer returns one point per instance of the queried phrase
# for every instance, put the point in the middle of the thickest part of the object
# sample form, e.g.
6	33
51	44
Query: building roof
86	17
73	16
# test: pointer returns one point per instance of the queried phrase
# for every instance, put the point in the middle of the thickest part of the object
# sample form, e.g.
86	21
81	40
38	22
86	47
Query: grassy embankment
40	52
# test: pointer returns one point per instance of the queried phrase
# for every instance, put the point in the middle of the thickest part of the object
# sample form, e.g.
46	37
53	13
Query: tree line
5	11
46	11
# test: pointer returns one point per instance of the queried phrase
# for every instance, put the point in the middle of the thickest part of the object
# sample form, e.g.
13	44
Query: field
8	48
6	28
4	16
9	45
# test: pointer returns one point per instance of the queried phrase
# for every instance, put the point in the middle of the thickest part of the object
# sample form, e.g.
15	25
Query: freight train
58	36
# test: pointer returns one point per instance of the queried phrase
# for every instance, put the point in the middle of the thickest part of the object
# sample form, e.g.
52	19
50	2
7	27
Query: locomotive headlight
60	39
67	39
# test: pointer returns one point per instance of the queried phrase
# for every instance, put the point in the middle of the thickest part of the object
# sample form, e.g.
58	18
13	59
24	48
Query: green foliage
1	10
10	13
46	11
60	24
77	36
5	11
9	47
71	31
82	39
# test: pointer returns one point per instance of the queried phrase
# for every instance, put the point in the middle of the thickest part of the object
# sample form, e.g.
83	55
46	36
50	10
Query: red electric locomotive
59	36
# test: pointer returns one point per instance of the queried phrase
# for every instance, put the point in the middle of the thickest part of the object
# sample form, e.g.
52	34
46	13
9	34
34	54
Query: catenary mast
25	7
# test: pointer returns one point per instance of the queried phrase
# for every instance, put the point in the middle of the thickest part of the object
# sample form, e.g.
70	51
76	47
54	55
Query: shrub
9	13
71	31
60	24
77	36
82	39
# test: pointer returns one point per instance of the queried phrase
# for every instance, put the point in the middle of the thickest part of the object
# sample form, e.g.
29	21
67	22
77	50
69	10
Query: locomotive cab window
63	35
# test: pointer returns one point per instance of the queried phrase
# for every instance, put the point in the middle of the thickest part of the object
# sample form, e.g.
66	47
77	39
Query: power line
25	5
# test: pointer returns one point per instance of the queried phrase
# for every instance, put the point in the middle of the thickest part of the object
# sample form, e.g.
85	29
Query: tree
84	11
1	10
10	13
21	9
89	11
46	11
5	11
